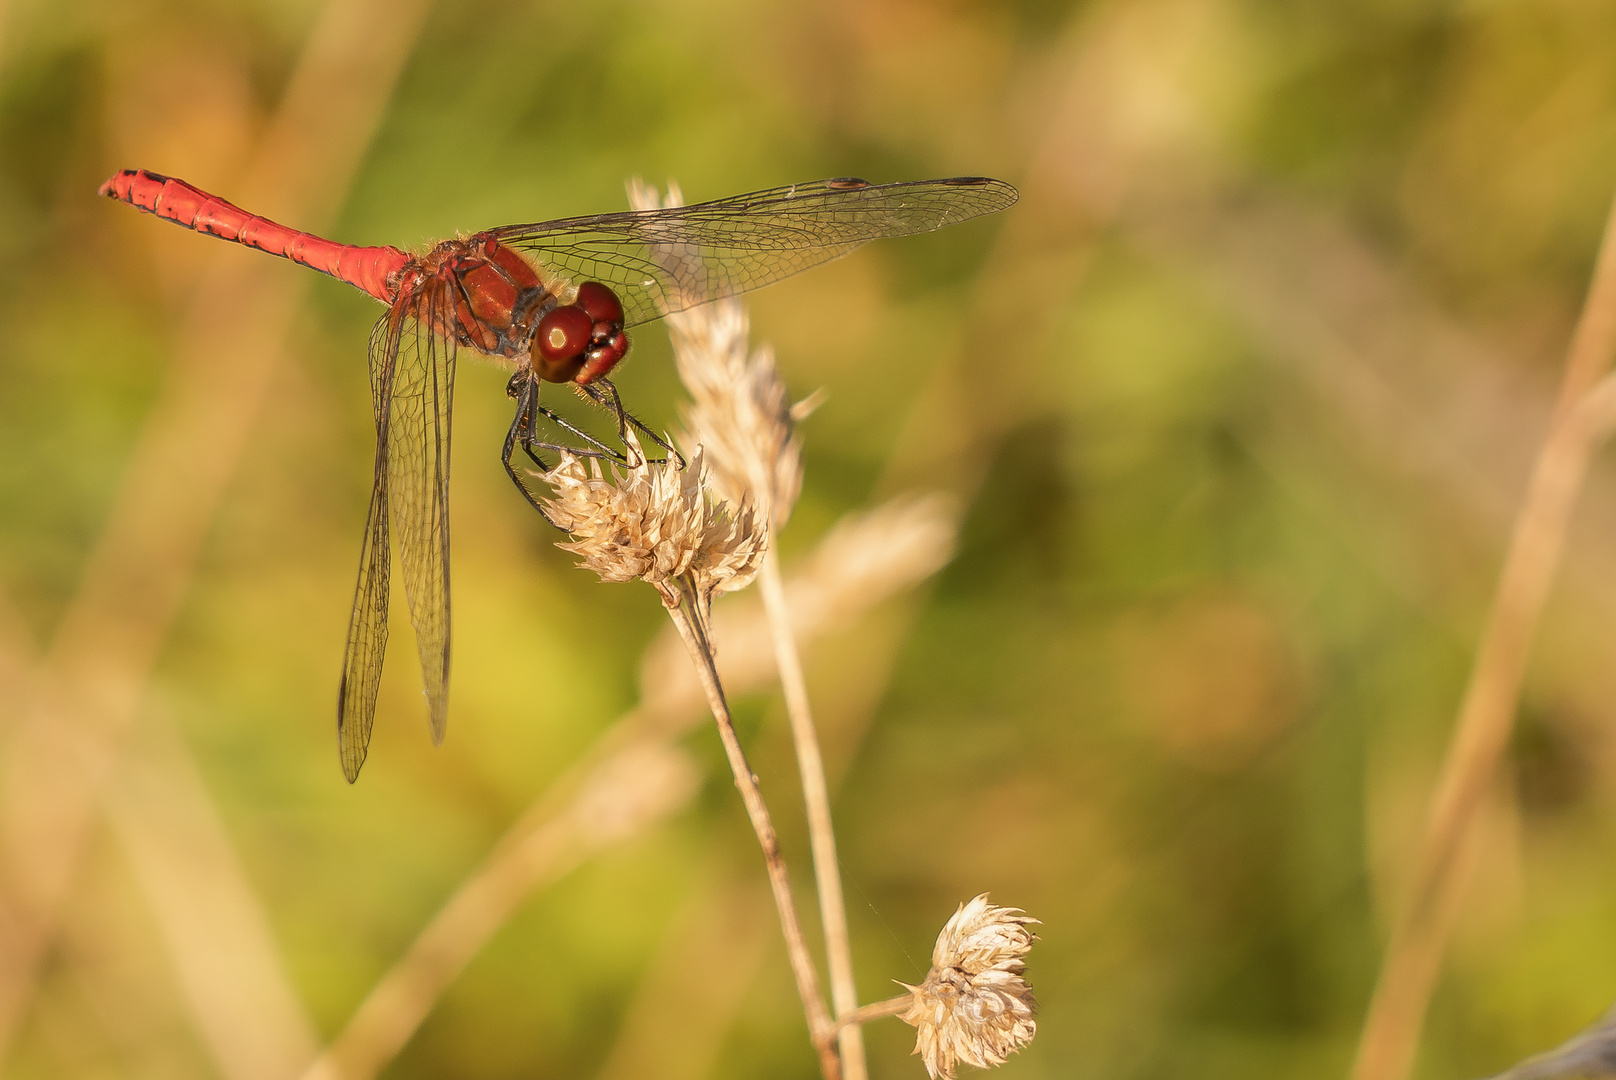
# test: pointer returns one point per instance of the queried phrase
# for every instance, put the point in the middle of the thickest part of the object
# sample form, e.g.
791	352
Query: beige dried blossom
740	410
974	1005
655	522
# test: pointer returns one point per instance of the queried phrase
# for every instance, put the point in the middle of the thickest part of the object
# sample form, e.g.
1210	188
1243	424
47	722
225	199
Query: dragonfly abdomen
372	269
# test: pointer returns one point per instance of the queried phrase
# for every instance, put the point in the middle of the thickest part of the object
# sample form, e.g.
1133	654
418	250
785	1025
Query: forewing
418	480
367	625
666	260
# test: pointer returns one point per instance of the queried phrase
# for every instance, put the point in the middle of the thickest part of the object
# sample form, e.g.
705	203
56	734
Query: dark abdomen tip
118	185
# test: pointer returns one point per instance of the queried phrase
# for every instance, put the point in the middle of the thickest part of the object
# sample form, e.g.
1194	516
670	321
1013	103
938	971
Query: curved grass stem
1582	418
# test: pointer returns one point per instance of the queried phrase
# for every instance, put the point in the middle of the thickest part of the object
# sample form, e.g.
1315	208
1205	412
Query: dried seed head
974	1005
739	407
654	522
740	410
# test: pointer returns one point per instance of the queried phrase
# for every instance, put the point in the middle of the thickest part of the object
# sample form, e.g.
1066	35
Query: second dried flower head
974	1005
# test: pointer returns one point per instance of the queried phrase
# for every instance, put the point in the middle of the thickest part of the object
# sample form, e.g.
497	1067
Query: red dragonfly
553	300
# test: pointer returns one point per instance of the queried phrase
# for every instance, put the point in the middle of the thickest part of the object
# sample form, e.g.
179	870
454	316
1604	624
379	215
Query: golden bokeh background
1236	405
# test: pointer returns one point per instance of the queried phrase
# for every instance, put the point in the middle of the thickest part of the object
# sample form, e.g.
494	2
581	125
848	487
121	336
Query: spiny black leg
519	433
659	440
605	395
525	433
624	416
601	450
524	389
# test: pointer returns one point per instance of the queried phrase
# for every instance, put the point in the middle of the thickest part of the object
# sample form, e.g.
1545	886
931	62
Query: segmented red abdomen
369	268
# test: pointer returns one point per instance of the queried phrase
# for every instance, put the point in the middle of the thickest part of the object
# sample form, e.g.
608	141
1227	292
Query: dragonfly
553	301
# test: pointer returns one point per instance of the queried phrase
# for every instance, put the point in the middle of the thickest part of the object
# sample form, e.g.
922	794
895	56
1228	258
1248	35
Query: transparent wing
412	387
418	482
667	260
367	626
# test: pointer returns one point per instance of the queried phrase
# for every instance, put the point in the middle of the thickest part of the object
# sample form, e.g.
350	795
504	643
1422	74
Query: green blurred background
1238	402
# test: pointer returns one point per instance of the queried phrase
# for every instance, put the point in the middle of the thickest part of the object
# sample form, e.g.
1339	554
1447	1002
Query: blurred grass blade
216	932
674	1026
93	679
1481	731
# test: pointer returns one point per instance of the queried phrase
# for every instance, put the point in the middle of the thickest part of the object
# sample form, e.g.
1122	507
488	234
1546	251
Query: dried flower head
974	1005
655	522
740	410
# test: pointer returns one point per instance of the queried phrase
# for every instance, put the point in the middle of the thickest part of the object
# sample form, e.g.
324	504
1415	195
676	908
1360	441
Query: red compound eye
601	303
601	358
563	333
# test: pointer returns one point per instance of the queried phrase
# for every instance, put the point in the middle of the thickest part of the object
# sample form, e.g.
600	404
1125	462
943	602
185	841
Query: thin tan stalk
688	610
879	1010
1408	974
821	833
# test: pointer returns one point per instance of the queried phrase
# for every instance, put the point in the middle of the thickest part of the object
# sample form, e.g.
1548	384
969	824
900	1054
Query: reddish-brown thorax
497	297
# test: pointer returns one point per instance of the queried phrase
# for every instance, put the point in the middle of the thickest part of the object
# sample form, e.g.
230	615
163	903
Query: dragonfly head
581	341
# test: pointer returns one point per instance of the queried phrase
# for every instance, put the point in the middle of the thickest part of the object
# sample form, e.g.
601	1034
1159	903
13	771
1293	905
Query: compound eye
601	303
563	333
602	358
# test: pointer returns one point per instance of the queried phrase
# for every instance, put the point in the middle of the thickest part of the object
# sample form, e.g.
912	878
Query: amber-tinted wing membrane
412	386
418	483
675	258
367	626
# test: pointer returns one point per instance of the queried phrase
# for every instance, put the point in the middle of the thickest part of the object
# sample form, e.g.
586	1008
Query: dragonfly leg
524	432
600	449
526	393
605	395
524	390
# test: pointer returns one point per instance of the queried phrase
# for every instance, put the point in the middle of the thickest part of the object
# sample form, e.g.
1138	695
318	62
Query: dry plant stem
877	1011
822	835
1582	415
688	611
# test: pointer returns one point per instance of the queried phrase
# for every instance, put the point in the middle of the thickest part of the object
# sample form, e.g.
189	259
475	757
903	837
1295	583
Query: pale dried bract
974	1006
654	522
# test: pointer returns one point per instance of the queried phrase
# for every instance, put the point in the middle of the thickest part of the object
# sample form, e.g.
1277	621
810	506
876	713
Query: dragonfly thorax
489	298
483	294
